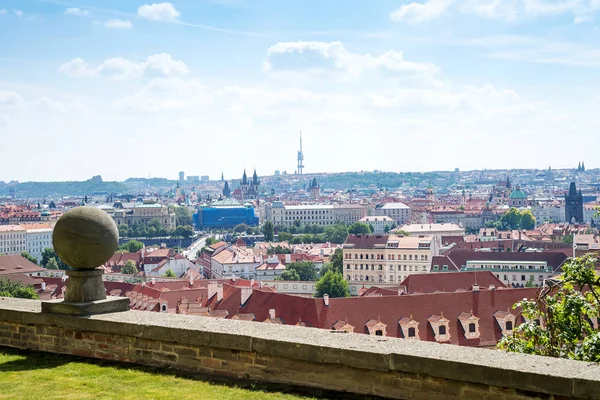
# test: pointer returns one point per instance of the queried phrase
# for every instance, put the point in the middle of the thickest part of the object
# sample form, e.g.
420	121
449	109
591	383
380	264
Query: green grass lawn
35	375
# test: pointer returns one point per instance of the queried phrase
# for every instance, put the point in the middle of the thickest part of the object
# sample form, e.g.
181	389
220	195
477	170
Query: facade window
412	332
442	330
472	328
379	332
509	325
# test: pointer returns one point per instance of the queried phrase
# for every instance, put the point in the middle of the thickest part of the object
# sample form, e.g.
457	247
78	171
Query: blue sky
127	88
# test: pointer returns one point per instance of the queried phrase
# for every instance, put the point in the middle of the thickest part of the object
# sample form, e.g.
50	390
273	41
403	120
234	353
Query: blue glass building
225	214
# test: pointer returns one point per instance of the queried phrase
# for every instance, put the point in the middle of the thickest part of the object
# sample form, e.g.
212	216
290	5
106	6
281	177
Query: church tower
226	190
574	205
315	190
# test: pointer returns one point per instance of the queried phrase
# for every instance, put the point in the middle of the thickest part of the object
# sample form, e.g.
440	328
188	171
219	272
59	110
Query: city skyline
389	85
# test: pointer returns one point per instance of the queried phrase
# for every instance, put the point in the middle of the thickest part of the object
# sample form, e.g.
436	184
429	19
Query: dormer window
470	324
440	327
375	327
343	326
506	321
409	328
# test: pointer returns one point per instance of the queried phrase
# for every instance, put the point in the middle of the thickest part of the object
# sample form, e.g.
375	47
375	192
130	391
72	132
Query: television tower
300	157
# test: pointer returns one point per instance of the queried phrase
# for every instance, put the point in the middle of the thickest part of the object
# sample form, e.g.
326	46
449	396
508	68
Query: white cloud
159	12
77	12
507	10
8	97
420	12
121	68
319	58
54	105
118	24
3	12
18	13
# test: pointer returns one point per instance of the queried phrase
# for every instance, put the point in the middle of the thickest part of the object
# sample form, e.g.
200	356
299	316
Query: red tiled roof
15	264
366	241
450	281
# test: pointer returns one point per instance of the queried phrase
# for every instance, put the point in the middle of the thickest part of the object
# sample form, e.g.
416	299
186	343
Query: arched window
472	328
412	332
442	329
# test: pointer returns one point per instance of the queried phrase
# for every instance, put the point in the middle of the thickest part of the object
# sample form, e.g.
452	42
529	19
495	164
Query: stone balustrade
296	356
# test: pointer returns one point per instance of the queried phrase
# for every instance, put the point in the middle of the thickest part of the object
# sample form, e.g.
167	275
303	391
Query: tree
184	231
129	268
527	220
51	205
123	230
211	240
402	233
52	264
284	236
268	230
132	246
10	288
386	228
559	323
279	250
358	228
305	269
169	274
529	282
332	284
568	239
289	275
336	234
337	260
28	256
240	228
48	254
183	216
512	218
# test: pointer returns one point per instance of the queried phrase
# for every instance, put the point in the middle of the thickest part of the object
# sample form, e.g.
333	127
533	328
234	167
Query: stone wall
307	357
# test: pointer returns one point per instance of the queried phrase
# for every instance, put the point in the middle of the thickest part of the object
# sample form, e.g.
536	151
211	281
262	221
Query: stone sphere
85	237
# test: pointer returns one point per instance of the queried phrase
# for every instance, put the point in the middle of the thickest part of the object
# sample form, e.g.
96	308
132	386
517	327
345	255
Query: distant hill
60	189
355	180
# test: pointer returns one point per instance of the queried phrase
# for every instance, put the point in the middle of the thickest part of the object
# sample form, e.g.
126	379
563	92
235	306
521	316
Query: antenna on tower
300	157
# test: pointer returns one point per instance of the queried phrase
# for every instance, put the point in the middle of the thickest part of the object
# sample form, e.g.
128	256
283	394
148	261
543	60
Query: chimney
272	313
251	282
43	285
288	258
191	280
326	300
212	288
246	293
475	287
219	292
153	281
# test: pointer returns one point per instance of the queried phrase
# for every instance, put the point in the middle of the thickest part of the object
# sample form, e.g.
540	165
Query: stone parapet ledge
310	357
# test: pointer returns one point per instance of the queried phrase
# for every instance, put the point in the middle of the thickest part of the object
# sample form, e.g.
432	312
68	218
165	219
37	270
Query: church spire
226	190
222	177
255	178
244	178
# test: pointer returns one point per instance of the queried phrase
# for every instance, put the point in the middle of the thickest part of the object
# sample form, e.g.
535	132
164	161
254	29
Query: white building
386	258
399	212
13	239
37	238
548	214
442	229
378	223
314	214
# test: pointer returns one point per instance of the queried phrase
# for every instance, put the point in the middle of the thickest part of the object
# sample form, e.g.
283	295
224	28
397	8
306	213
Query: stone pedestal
85	237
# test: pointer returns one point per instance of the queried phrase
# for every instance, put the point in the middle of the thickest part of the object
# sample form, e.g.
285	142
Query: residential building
13	239
235	261
130	214
514	269
14	266
399	212
378	223
548	213
386	258
37	238
314	214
